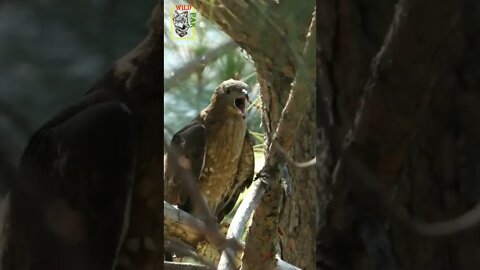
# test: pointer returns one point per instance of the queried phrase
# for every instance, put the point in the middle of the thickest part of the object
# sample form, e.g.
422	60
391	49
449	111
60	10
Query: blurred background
193	68
51	52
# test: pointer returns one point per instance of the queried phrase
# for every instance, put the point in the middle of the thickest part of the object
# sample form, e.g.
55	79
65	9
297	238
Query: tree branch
211	227
392	131
183	266
290	160
196	64
239	221
274	46
180	224
291	116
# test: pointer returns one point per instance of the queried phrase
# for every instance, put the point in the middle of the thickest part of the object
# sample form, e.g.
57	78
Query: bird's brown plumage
219	149
88	184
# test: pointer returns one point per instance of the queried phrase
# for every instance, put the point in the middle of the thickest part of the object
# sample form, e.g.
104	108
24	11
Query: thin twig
290	159
400	8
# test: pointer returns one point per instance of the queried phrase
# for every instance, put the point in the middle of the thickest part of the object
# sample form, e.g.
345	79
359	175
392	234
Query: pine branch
197	64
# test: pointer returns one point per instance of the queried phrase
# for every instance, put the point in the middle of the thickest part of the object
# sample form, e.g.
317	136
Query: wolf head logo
180	21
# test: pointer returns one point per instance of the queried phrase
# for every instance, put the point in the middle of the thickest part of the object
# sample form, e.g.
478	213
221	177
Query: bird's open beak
246	96
241	103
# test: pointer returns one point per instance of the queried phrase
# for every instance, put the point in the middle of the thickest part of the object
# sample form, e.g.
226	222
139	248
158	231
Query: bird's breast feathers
224	147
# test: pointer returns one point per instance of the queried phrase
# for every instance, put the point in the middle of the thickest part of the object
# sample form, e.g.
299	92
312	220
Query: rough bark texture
275	44
417	132
297	216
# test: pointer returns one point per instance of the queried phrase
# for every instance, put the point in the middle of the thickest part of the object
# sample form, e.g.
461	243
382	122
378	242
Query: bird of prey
218	150
89	191
88	195
73	191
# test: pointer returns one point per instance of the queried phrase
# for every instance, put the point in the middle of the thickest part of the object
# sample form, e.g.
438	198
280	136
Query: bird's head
233	95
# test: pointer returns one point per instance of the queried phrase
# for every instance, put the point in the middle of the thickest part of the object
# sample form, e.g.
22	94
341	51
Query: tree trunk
402	82
281	225
297	212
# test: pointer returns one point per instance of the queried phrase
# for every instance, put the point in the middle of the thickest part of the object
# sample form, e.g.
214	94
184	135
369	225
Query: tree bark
399	77
275	44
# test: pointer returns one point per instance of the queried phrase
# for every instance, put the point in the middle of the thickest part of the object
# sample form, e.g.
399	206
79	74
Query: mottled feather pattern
225	167
222	159
75	177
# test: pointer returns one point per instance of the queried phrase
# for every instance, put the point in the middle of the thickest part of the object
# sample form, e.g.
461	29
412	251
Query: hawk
219	151
89	191
88	195
68	208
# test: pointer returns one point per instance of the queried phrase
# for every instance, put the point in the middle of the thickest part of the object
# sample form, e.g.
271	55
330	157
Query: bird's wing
73	194
243	178
187	149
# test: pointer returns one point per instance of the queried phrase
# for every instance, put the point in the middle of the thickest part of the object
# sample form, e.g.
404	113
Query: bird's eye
227	91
